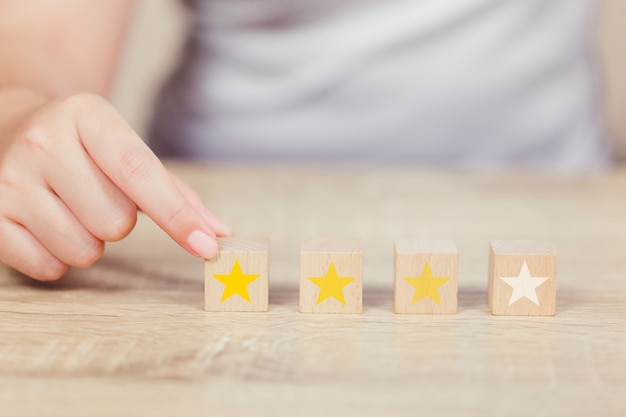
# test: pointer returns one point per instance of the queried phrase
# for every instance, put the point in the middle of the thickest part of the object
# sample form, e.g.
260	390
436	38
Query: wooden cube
522	278
237	279
426	276
331	276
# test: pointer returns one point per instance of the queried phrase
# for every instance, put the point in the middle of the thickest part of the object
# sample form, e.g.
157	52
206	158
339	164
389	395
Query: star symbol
331	285
236	282
524	285
426	285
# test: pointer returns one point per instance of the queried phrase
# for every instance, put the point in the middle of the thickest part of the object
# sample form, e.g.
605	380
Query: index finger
123	157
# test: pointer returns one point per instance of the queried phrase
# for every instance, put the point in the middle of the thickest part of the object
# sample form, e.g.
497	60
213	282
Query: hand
72	176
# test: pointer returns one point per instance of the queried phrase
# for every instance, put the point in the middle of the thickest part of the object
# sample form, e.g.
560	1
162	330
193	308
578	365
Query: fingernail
202	244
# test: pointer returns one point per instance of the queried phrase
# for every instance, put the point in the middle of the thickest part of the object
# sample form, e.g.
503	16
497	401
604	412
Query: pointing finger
133	167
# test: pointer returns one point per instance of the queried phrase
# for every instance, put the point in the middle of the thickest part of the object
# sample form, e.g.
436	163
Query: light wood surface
130	335
426	276
331	275
239	260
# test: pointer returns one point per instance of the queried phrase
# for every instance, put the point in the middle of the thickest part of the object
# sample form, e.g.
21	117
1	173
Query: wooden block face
237	279
331	276
522	278
426	276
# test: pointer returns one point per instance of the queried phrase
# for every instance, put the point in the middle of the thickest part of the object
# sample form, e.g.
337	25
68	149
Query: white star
524	285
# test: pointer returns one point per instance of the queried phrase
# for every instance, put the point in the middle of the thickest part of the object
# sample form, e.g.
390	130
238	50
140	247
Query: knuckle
122	226
80	102
36	263
35	131
178	218
42	131
135	165
8	181
90	253
36	137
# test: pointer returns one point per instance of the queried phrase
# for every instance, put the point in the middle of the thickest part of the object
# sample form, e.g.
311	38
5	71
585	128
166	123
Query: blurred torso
469	82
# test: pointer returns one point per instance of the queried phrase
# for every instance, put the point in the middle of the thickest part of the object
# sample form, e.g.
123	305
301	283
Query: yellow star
426	285
236	282
331	285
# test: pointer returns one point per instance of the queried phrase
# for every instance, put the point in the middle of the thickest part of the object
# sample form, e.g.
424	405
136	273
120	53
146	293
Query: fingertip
202	244
52	272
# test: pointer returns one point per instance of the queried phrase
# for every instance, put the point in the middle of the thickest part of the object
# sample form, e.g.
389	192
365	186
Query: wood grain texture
130	336
323	259
507	258
411	258
251	256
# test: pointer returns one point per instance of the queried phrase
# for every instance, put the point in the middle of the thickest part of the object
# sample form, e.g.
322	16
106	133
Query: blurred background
158	31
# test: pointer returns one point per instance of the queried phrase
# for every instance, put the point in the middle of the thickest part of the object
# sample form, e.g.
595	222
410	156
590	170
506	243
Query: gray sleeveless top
459	82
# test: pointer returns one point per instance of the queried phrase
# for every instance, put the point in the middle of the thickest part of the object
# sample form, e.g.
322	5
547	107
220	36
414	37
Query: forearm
63	47
35	69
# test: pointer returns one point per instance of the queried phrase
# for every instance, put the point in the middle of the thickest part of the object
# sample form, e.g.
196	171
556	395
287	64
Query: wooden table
130	336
